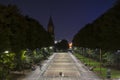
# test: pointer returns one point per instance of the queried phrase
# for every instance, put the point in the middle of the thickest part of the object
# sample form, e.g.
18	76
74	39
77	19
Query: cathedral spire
50	22
51	27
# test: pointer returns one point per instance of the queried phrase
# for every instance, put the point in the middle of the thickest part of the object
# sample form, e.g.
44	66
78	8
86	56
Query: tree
37	36
103	33
62	45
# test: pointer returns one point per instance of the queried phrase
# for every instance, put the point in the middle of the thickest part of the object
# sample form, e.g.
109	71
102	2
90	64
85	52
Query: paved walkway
35	75
62	66
86	74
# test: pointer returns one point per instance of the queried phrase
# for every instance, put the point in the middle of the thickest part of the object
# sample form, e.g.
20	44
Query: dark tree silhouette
62	45
103	33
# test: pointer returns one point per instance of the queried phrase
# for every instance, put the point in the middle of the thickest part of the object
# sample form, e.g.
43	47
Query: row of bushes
101	71
25	60
107	58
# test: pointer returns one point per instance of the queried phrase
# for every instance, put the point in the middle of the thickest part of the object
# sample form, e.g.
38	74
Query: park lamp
6	51
45	48
50	47
70	45
55	42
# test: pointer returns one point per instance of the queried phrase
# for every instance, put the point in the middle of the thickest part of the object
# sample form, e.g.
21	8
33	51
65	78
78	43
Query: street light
70	45
51	47
6	52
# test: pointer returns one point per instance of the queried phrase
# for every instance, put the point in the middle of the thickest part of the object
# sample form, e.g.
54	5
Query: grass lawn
100	72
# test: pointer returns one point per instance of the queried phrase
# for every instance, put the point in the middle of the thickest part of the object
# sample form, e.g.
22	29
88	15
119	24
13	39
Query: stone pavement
35	75
62	66
86	74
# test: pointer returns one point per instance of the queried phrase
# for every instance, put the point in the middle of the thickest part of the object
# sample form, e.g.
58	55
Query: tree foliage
62	45
103	33
18	33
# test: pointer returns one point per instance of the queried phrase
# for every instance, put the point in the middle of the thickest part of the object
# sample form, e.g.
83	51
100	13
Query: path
62	66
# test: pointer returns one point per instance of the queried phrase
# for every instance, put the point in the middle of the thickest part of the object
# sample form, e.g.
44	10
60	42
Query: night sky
69	16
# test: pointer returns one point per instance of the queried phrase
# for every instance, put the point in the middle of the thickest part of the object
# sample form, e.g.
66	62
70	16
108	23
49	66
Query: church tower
51	27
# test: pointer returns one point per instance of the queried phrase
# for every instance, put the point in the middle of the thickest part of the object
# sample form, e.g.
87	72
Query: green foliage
36	36
108	58
17	33
23	57
102	33
6	63
7	59
115	74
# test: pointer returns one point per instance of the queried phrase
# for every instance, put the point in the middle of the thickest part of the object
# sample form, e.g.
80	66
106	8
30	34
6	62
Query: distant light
6	52
70	45
50	47
45	48
55	42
